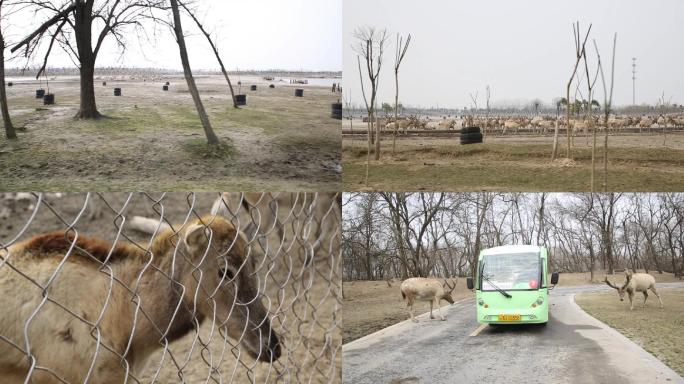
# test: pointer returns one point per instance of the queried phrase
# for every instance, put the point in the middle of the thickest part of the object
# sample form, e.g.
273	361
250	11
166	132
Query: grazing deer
636	282
82	307
426	289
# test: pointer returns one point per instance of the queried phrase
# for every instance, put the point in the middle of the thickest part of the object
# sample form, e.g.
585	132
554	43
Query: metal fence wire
141	288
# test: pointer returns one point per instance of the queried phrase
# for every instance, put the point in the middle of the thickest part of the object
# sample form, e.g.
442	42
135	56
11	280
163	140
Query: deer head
447	293
229	286
621	290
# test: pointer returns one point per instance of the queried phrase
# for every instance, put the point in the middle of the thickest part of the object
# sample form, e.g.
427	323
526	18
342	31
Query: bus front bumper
528	318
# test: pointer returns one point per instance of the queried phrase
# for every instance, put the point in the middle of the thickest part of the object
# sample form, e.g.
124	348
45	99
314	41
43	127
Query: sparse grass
198	148
659	331
149	139
510	167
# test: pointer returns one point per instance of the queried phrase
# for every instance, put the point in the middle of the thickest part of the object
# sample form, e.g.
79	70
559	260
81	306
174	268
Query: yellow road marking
478	330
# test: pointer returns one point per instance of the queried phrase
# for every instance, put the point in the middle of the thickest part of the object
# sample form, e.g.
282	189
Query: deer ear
196	238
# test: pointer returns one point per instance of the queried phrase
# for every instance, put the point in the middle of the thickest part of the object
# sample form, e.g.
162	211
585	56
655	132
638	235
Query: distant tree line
401	235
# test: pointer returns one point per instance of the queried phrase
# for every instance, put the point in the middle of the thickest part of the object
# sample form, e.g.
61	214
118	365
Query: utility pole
633	80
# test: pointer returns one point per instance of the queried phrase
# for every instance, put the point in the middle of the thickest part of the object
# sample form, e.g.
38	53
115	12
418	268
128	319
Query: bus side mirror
554	278
469	283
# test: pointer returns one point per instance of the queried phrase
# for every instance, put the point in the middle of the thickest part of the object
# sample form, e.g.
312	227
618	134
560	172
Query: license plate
509	317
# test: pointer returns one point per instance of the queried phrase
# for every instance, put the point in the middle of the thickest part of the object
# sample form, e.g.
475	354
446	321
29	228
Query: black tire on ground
472	137
471	140
470	130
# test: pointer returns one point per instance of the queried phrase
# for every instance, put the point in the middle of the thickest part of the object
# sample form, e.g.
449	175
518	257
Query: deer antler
451	288
628	278
609	283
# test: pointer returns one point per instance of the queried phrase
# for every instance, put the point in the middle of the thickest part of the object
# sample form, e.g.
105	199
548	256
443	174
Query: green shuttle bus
511	285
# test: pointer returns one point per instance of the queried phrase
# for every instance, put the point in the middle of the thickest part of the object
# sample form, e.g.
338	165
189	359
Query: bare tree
348	106
71	25
607	107
206	34
486	128
579	53
589	119
474	99
370	47
212	139
402	47
442	234
10	132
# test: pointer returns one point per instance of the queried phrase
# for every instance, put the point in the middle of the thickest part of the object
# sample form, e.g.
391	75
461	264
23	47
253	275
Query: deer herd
536	125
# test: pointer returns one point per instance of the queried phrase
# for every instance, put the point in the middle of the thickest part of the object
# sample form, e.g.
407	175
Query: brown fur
57	336
53	243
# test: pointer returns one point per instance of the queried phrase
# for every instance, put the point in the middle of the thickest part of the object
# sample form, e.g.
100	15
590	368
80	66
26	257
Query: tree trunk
554	152
83	20
377	138
192	86
605	156
396	110
567	120
88	108
10	133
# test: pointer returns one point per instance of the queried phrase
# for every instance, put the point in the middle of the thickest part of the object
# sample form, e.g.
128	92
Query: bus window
520	271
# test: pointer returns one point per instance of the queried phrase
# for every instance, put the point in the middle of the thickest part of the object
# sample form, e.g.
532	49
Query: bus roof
511	249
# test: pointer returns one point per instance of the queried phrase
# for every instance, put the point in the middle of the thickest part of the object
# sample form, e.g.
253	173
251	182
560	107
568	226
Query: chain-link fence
139	288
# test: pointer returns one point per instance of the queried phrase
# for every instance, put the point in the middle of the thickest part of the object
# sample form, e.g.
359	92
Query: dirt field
370	306
309	322
659	331
516	163
153	140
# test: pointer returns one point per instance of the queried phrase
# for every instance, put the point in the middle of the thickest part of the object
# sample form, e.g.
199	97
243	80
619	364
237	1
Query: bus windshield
517	271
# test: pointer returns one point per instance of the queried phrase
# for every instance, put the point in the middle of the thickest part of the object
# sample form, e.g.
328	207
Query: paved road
573	348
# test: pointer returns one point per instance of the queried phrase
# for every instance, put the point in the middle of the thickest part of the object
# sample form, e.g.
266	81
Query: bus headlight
480	302
540	301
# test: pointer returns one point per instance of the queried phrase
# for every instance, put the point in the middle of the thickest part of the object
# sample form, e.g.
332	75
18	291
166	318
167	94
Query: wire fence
141	288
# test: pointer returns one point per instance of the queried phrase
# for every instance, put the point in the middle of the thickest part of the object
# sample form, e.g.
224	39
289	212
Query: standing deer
426	289
636	282
84	308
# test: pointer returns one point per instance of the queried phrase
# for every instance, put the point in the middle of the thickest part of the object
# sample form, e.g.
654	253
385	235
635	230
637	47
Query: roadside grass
509	167
659	331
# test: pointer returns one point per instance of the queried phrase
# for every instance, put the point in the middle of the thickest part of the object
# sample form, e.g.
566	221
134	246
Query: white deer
426	289
636	282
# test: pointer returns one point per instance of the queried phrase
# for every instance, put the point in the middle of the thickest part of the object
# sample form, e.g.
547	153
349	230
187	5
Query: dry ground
637	162
370	306
309	324
659	331
153	140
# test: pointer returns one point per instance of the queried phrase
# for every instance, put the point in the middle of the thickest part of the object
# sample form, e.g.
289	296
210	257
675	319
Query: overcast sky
253	34
523	49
